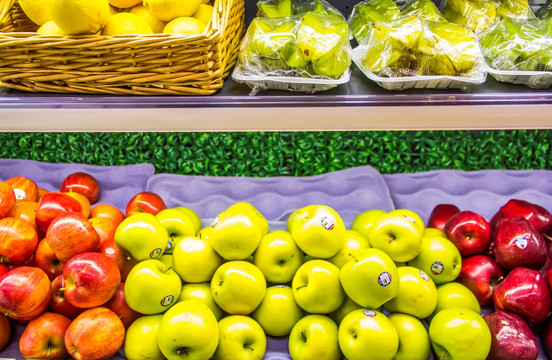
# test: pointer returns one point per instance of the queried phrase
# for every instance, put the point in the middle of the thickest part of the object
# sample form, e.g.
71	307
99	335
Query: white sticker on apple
424	276
19	194
437	268
328	223
370	313
215	222
384	278
521	242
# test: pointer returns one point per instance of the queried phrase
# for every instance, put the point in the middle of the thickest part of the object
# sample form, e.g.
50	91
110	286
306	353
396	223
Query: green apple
204	233
363	222
189	331
410	215
291	218
417	293
178	224
167	259
278	257
201	293
346	307
240	338
193	216
397	236
142	236
456	295
413	337
368	334
253	211
429	231
459	333
235	233
373	270
152	287
141	339
317	287
318	230
278	312
439	258
195	260
353	244
314	337
238	287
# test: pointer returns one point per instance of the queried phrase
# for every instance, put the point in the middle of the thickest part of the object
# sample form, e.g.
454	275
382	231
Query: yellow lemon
185	25
168	10
49	28
38	11
204	13
123	4
205	1
155	24
76	17
126	23
113	10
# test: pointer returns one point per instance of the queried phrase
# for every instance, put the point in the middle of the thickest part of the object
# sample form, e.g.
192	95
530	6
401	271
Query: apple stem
444	355
248	347
547	237
300	287
353	256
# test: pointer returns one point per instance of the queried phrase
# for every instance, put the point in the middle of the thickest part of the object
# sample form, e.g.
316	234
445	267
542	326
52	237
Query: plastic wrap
368	11
413	52
516	9
545	11
426	9
476	15
285	8
298	52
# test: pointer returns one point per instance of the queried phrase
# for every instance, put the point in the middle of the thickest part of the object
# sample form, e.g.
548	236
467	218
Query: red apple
125	263
71	234
46	259
3	269
517	243
440	214
26	210
5	331
97	333
469	231
18	240
105	227
546	336
24	188
524	292
481	274
44	337
539	217
53	204
108	211
82	183
85	204
145	202
7	200
24	293
90	279
120	307
58	302
511	337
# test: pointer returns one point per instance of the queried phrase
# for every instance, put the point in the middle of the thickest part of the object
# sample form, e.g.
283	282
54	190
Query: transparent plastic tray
532	79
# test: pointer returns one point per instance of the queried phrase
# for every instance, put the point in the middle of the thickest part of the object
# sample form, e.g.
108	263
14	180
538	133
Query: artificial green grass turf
294	153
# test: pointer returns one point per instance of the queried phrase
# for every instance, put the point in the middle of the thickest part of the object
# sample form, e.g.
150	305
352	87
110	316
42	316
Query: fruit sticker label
169	246
437	268
370	313
521	242
167	300
156	253
384	278
424	276
328	223
215	222
19	194
410	218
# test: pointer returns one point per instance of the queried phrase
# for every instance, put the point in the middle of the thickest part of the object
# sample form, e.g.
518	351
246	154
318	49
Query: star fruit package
415	53
308	51
545	11
285	8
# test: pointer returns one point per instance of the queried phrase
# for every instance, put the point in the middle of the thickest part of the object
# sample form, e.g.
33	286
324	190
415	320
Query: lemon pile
118	17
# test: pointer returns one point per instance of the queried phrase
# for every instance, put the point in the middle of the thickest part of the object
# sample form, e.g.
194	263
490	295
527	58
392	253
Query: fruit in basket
353	245
476	15
274	8
71	234
168	10
314	337
481	274
426	9
413	337
252	211
85	204
397	236
142	236
97	333
125	23
440	214
469	231
154	23
369	11
26	210
201	293
439	258
278	257
145	202
188	330
5	331
18	240
240	338
278	312
79	17
238	287
152	287
459	333
141	341
195	260
179	225
7	200
24	293
38	11
53	204
417	293
511	337
368	334
107	211
125	263
204	13
44	337
82	183
185	25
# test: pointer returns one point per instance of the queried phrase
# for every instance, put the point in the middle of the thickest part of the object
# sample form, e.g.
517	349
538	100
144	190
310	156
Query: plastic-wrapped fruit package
476	15
426	9
284	8
545	11
368	11
517	9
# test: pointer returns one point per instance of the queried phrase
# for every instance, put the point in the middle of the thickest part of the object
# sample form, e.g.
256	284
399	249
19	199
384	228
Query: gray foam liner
349	192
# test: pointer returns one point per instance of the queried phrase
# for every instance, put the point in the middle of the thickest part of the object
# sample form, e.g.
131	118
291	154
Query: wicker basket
158	64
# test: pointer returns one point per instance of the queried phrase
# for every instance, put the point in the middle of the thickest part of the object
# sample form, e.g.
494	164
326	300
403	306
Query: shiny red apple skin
82	183
7	200
511	337
108	211
71	234
481	274
120	307
3	269
18	240
469	231
24	293
58	302
440	214
97	333
53	204
26	210
105	227
546	336
5	331
539	217
125	263
145	202
517	243
44	337
90	279
524	292
45	259
24	188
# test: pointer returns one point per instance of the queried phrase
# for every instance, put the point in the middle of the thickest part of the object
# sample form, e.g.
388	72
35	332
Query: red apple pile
507	264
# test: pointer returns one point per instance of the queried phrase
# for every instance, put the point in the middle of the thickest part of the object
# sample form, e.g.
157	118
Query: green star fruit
369	11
